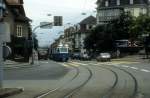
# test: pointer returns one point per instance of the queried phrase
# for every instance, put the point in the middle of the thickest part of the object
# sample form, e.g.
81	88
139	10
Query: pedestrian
147	46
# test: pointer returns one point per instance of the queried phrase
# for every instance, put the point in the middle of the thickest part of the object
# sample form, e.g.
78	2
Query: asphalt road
82	79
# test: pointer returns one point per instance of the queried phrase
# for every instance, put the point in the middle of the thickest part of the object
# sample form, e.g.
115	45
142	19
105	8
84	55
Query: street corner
5	92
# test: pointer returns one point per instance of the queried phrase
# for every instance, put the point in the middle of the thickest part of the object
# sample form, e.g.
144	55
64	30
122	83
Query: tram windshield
63	50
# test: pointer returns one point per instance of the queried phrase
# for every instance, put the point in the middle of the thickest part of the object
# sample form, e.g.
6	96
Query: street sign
5	31
58	20
46	25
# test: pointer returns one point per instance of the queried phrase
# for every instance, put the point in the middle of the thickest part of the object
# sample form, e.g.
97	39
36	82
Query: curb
5	92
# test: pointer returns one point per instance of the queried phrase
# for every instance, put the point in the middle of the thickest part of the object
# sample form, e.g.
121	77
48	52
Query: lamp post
33	32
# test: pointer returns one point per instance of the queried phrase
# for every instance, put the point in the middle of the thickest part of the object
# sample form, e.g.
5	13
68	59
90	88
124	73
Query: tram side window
57	50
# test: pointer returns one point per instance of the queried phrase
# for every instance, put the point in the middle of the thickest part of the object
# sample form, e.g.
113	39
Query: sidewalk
5	92
8	64
133	58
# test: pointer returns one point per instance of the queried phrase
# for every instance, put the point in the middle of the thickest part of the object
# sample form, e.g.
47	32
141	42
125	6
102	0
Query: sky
71	11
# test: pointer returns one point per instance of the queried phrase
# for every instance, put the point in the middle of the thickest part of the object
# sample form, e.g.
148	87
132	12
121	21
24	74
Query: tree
142	25
121	26
99	39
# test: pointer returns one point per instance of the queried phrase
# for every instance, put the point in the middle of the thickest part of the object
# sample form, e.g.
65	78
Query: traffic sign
58	20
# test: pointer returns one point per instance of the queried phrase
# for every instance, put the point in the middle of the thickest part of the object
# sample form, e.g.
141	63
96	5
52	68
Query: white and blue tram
60	52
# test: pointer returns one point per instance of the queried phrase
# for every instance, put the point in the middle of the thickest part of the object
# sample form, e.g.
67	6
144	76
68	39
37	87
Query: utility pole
1	42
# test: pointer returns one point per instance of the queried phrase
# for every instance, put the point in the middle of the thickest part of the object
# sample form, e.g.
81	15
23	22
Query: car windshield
74	48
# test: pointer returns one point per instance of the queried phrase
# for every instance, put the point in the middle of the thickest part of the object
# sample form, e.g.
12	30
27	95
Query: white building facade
111	9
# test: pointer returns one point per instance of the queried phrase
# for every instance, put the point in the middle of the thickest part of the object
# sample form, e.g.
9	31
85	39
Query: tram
59	52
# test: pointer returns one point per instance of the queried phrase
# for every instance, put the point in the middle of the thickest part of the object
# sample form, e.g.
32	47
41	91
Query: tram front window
63	50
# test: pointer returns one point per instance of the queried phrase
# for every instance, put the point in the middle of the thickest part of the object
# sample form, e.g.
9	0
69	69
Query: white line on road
79	63
134	68
145	70
125	66
94	64
44	62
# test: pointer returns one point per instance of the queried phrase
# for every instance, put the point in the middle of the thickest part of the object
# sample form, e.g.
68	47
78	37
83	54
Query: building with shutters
111	9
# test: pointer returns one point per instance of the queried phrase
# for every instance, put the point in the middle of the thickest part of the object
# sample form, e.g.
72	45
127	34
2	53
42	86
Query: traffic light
58	20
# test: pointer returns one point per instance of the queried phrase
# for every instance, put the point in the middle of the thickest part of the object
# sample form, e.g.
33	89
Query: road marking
134	68
65	65
79	63
145	70
76	65
125	66
44	62
93	64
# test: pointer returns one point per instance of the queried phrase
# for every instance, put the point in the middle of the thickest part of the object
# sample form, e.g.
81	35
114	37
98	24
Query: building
20	30
76	34
69	37
111	9
85	25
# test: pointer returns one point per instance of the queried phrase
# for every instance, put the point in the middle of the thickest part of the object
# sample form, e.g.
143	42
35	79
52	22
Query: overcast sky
71	10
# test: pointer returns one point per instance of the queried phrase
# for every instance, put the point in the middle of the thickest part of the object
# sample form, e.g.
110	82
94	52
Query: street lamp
33	33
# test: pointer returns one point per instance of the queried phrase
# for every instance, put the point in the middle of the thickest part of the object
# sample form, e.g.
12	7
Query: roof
14	2
89	20
22	18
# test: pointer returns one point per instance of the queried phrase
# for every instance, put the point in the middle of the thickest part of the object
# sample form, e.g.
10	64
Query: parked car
43	54
84	56
104	57
76	55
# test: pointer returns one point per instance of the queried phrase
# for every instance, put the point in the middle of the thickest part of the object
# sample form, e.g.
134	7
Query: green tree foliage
99	39
121	26
142	25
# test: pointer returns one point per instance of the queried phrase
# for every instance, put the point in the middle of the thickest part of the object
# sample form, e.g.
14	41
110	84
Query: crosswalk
126	65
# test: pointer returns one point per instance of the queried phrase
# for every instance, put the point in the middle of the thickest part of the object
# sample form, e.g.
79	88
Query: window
118	2
19	31
142	11
106	3
131	1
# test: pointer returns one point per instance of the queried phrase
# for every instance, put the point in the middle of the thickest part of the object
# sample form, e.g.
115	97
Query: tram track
45	93
135	91
135	82
70	94
109	92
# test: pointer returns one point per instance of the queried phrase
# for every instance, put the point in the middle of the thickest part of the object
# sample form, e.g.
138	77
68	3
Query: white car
104	57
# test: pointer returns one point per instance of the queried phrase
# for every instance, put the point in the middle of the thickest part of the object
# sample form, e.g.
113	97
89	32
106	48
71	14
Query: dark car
76	55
